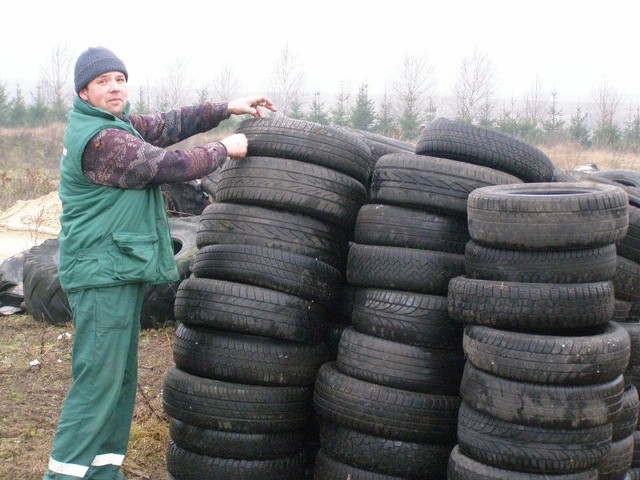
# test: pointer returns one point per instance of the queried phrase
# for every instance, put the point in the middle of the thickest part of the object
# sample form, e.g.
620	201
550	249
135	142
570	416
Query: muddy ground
35	372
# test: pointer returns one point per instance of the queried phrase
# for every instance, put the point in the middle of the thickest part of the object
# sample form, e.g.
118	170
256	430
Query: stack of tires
543	392
268	273
388	404
627	291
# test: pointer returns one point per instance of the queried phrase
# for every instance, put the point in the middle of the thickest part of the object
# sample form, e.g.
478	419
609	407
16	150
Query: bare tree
54	83
175	88
474	89
534	103
287	81
225	85
607	100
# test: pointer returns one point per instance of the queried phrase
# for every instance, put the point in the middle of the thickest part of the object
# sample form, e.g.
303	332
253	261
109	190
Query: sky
567	46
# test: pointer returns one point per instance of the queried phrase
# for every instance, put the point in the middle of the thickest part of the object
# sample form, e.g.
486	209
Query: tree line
407	104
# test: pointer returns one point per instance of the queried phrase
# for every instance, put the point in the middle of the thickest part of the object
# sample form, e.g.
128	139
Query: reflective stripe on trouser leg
104	367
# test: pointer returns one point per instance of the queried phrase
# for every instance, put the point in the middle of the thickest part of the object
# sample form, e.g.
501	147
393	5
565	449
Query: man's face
108	91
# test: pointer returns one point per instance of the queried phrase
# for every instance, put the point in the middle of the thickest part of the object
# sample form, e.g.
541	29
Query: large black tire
406	317
461	467
184	199
243	308
385	411
399	268
396	365
185	465
483	146
235	407
549	359
542	405
272	268
394	226
548	216
512	446
584	265
293	185
227	223
250	359
46	301
43	296
429	183
331	147
531	307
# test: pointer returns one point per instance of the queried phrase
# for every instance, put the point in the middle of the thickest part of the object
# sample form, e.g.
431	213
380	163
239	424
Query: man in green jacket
114	241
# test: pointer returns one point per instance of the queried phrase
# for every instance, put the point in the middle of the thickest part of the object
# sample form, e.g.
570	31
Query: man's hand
236	145
250	106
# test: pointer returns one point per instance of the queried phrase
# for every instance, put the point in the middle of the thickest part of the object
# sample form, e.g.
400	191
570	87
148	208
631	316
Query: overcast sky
569	46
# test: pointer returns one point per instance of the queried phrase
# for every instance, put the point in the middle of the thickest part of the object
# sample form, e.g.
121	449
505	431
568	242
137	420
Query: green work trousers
93	431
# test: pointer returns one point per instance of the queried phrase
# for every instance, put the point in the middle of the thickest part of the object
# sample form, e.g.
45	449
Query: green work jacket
109	236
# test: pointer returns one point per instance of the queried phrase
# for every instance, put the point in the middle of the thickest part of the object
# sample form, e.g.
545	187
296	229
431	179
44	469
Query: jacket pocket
136	257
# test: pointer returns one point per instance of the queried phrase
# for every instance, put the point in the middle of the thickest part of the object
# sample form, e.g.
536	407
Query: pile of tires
46	301
543	390
267	276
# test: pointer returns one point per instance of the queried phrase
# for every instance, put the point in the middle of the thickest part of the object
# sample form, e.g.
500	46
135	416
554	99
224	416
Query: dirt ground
34	378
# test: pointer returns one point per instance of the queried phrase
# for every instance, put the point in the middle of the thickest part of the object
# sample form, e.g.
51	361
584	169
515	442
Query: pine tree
339	113
363	113
4	105
317	113
578	128
38	112
296	108
386	122
18	110
141	106
632	132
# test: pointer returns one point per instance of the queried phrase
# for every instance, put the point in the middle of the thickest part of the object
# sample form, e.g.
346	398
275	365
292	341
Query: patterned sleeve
116	158
165	129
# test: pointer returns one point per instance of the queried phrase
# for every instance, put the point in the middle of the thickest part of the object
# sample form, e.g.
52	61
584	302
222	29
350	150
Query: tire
271	268
540	405
429	183
405	317
396	365
461	467
629	245
598	357
483	146
626	280
330	147
226	223
398	268
531	307
512	446
185	465
250	359
617	463
184	199
44	298
392	226
235	407
329	468
565	216
245	446
248	309
407	460
583	265
384	411
294	186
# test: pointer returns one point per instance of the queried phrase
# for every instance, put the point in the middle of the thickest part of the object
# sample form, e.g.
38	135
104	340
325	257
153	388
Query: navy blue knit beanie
94	62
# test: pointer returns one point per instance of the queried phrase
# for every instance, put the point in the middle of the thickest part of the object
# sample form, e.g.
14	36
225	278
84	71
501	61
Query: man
115	240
